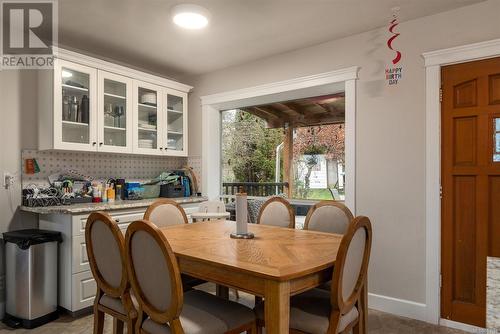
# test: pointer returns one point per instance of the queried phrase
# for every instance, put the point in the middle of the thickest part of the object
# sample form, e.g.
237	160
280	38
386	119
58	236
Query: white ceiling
140	32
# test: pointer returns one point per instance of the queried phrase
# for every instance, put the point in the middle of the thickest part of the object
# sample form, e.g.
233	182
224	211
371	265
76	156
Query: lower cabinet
77	287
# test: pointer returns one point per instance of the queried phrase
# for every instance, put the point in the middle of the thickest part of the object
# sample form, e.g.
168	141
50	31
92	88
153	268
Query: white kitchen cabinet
115	113
74	125
87	104
175	121
148	104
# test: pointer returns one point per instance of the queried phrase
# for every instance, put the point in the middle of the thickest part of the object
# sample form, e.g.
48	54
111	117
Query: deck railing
254	188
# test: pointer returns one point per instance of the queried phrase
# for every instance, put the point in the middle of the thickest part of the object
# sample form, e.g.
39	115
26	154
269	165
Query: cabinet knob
117	220
94	144
100	144
161	148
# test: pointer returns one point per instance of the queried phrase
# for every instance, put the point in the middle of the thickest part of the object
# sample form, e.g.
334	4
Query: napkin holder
241	218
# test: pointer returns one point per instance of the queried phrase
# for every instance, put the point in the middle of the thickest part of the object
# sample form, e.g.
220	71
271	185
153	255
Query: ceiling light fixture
190	16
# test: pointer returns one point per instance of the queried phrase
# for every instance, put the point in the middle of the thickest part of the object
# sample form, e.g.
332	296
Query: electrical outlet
8	180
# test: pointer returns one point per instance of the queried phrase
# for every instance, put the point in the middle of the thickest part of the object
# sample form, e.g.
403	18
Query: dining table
276	264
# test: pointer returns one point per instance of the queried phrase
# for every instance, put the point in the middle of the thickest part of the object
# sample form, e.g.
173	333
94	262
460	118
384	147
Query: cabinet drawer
122	218
80	261
84	290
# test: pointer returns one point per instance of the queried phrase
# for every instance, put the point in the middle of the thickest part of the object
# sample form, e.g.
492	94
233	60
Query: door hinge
440	94
440	280
440	191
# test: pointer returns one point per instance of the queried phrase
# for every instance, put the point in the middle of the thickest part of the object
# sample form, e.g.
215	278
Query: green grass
319	194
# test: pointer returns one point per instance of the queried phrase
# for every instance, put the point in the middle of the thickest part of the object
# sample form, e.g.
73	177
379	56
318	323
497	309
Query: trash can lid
25	238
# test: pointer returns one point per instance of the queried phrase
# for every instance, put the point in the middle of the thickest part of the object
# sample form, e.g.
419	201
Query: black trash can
31	277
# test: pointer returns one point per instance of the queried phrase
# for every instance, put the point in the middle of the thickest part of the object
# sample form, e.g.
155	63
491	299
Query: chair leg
253	330
356	329
98	322
117	326
236	294
131	326
258	330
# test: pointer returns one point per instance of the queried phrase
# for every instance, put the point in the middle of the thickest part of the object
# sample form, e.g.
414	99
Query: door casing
434	60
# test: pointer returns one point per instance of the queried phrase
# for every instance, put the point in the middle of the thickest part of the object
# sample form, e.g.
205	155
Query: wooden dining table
276	264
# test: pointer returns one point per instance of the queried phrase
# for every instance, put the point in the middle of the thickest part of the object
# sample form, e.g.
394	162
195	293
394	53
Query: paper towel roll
241	213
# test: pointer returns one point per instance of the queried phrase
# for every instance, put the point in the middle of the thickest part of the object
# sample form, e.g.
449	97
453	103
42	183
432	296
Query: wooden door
471	186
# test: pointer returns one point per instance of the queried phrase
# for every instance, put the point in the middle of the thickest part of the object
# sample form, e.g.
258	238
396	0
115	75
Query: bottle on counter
111	194
96	193
105	194
119	190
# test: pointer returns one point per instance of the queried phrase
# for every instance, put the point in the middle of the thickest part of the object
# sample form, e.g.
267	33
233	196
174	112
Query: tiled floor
378	323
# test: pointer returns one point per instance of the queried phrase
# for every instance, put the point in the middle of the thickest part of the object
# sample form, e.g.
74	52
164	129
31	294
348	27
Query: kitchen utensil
148	98
73	109
66	109
84	109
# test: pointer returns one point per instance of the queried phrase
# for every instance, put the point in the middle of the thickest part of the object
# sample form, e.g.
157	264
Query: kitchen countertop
117	205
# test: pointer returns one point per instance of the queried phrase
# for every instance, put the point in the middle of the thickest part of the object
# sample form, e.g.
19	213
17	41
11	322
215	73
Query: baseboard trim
400	307
461	326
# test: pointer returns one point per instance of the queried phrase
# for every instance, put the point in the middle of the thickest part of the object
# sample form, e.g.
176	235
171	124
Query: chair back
277	211
106	253
153	271
328	216
212	207
351	265
165	212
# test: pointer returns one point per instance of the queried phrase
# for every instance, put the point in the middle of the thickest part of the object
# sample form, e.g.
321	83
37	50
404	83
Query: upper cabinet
175	119
87	104
114	113
75	95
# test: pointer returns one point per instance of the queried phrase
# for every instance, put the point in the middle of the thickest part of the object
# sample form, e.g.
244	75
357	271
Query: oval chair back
328	216
277	211
154	273
106	250
165	212
212	207
351	268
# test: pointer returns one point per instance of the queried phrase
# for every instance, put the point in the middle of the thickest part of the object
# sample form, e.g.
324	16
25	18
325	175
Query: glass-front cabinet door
75	106
175	136
115	113
147	104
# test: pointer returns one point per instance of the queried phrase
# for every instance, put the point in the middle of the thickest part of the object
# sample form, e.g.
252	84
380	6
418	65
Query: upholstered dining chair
328	216
106	254
210	210
277	211
163	307
339	310
165	212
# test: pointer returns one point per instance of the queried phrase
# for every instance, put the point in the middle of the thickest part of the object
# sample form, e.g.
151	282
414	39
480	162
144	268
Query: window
294	148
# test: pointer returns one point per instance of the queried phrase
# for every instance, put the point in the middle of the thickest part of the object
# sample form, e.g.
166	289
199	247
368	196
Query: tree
248	147
308	144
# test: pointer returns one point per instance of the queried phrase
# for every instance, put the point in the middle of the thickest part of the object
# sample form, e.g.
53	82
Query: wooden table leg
364	305
277	307
222	291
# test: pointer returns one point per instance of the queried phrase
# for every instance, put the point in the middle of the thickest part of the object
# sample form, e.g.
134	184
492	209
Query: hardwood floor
378	323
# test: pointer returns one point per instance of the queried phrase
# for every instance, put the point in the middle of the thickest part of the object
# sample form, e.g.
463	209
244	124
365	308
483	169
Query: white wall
390	130
18	130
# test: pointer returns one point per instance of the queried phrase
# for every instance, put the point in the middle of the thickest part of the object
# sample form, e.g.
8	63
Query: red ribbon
393	25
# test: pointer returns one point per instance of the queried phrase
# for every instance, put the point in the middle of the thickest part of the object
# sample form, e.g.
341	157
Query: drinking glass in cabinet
115	110
75	106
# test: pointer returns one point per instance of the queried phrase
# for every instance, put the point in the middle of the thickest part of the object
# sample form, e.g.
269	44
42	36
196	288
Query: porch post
288	160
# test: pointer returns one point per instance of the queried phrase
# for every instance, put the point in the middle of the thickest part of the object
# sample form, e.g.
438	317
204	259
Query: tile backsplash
98	165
